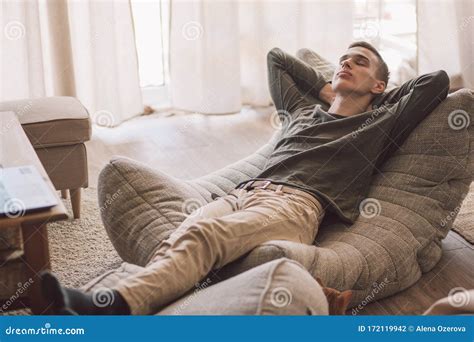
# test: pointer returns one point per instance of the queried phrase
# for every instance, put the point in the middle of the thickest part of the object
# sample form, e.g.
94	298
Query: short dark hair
382	71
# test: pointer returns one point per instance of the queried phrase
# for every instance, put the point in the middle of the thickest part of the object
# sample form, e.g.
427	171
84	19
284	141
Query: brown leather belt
267	184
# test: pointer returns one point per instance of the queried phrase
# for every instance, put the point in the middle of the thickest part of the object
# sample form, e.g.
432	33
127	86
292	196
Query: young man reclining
322	161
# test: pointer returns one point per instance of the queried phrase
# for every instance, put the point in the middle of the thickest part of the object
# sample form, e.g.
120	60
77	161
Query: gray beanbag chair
388	248
278	287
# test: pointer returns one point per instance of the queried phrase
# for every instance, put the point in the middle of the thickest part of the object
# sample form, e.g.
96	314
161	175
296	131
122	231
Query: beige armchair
57	128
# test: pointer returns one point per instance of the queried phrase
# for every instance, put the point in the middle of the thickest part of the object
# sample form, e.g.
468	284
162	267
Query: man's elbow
441	80
274	55
274	51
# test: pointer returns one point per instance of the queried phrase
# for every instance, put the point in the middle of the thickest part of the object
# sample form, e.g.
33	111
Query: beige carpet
80	248
464	223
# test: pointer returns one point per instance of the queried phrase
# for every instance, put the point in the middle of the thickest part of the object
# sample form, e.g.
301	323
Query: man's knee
207	232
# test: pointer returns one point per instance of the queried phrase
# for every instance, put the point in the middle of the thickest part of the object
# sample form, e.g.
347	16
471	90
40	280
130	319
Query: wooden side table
16	150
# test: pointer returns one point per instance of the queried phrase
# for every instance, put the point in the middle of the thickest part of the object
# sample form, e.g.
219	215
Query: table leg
36	257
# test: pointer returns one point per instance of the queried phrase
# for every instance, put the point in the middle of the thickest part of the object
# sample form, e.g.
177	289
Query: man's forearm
419	97
422	84
307	79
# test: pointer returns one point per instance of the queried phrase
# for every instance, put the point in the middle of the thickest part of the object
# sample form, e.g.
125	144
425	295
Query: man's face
356	73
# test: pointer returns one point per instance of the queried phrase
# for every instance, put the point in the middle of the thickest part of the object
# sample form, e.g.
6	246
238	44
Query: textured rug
464	223
80	248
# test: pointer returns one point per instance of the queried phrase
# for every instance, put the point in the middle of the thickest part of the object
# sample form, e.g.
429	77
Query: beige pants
216	234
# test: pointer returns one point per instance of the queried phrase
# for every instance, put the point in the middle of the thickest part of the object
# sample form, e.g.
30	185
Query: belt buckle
267	183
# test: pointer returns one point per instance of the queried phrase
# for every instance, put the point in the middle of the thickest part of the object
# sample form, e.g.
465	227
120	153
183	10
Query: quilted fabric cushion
141	206
387	248
409	209
279	287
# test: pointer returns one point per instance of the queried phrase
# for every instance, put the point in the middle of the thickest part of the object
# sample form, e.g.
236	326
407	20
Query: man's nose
346	64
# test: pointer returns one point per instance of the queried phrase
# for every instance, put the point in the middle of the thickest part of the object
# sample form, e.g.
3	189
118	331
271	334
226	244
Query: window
151	24
391	27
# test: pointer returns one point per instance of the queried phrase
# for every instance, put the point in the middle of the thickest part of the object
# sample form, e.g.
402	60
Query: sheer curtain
445	39
218	49
84	49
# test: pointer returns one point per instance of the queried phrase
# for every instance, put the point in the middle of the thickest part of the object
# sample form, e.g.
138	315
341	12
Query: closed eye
358	62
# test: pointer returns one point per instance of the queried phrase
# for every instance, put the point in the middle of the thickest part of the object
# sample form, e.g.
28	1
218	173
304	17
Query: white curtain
218	48
445	39
84	49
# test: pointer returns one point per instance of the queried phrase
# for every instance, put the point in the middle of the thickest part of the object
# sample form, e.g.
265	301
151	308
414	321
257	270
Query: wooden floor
189	146
185	146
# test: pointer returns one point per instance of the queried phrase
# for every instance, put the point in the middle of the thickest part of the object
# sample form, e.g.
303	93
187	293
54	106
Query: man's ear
378	87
